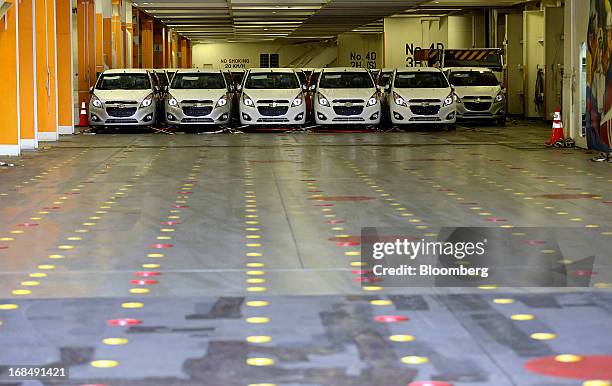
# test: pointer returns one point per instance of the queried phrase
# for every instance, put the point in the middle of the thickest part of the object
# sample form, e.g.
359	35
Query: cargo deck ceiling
264	20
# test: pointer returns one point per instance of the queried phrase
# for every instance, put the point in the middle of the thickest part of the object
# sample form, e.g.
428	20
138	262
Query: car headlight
222	101
323	101
298	101
95	101
373	100
449	100
172	101
399	100
247	100
147	101
499	97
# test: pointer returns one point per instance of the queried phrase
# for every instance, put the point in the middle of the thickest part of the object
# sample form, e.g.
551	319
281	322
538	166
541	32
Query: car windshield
272	80
124	82
420	80
346	80
198	81
473	78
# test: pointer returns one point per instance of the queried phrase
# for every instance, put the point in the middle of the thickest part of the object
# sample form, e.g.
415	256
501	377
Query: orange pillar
117	46
27	76
146	40
99	37
183	45
189	56
65	103
86	47
9	87
46	77
158	44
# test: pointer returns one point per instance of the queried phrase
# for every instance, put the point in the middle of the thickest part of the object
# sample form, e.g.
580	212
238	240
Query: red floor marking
567	196
430	160
3	246
445	190
535	242
52	207
355	239
430	383
590	367
180	206
27	225
144	282
171	222
334	221
147	274
583	272
495	219
607	202
347	243
185	192
324	205
123	322
344	198
161	246
361	271
390	318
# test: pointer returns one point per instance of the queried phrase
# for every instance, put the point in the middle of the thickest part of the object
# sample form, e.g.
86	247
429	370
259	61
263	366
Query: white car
346	96
272	96
198	97
479	94
421	95
123	98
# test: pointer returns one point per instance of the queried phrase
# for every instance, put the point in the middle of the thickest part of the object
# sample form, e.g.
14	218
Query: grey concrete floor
221	249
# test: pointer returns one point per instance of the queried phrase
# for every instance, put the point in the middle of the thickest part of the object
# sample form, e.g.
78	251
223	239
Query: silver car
479	94
123	98
198	97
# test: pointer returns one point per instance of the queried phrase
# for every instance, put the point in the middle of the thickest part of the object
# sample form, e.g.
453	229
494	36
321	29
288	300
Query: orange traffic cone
83	121
557	128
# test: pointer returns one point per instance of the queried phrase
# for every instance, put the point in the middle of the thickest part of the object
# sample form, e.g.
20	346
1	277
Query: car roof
418	69
126	71
268	70
198	71
463	69
345	69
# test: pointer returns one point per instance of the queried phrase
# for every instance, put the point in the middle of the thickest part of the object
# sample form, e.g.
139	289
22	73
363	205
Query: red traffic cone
83	121
557	128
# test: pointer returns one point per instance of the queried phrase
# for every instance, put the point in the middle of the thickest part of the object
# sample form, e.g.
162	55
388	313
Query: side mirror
238	87
305	87
313	87
91	90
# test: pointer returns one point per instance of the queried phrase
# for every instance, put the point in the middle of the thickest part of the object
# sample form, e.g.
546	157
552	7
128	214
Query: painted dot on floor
255	265
104	364
38	275
259	339
381	302
253	254
522	317
115	341
260	361
391	318
151	266
429	383
56	257
21	292
414	360
487	287
257	320
543	336
568	358
256	273
372	288
124	322
132	305
257	303
596	382
66	247
8	307
257	289
139	291
155	255
46	267
503	301
30	283
401	338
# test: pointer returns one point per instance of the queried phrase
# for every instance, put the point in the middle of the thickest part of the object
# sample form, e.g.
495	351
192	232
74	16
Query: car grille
348	119
121	112
425	110
477	106
197	120
197	111
353	101
346	111
425	119
123	121
273	111
273	120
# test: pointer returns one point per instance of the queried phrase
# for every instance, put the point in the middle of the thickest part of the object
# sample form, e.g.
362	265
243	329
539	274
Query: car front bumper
252	116
467	110
327	115
196	116
410	115
116	116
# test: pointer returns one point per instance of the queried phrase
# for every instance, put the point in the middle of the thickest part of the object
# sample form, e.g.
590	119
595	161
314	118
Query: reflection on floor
234	260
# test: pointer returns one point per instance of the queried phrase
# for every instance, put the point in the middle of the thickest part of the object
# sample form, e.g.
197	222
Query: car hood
423	93
275	94
347	93
199	94
490	91
122	95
